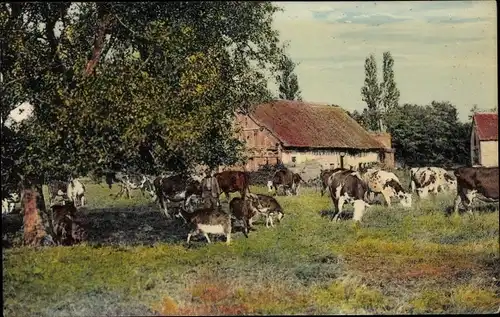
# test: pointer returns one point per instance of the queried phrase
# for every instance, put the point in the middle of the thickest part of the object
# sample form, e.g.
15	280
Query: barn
293	132
484	139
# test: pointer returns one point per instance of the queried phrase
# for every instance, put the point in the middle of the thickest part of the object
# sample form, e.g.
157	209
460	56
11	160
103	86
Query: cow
67	228
425	180
76	192
324	175
344	186
388	185
129	181
9	202
175	188
476	182
287	180
233	181
210	191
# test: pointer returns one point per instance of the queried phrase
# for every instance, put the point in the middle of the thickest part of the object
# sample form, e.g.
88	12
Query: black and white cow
175	188
9	203
345	186
388	184
130	181
425	180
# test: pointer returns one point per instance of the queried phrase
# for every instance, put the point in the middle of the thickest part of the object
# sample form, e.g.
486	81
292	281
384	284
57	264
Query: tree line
422	135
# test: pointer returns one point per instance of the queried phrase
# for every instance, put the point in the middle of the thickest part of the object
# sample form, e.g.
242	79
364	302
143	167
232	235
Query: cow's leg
413	186
271	220
82	201
120	193
227	196
457	203
322	190
189	237
387	198
206	236
340	205
246	225
228	238
297	189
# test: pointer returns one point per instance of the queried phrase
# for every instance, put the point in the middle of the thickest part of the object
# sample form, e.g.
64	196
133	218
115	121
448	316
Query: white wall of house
488	153
329	158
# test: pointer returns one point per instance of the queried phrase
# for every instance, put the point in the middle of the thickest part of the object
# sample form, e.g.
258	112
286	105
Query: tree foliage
144	86
371	94
287	80
429	135
389	91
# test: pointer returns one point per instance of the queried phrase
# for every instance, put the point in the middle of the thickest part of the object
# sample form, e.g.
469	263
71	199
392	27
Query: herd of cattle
196	201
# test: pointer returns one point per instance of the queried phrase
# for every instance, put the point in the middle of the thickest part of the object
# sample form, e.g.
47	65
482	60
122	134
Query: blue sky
443	50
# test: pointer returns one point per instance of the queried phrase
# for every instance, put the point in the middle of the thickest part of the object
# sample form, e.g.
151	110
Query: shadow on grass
327	213
138	225
476	209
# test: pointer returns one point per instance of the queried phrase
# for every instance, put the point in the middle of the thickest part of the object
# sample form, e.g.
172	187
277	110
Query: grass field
397	261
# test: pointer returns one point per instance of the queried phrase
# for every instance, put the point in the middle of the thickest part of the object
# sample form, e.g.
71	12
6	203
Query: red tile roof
486	126
301	124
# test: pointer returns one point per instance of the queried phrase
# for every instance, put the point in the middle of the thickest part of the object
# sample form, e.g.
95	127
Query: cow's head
405	199
360	207
254	201
422	192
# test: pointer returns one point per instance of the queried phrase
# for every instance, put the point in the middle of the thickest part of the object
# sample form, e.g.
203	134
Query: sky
442	50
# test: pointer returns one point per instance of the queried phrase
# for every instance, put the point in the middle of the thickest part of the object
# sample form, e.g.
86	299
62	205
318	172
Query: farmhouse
292	132
484	139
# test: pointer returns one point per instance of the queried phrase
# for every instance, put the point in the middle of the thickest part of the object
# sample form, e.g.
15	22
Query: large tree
390	92
144	86
371	94
288	82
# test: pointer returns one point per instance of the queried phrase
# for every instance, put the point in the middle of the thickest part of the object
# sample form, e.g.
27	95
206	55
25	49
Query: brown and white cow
388	184
425	180
346	187
287	180
476	182
233	181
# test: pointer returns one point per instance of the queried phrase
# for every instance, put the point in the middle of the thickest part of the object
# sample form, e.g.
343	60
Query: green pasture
135	262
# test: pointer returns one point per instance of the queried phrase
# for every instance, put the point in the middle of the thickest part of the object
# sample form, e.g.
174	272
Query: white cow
76	192
425	180
9	203
388	184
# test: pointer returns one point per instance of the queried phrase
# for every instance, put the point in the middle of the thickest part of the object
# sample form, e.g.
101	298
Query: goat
206	220
269	206
245	213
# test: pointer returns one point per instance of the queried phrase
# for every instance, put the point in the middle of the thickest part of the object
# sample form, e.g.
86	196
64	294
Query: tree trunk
33	205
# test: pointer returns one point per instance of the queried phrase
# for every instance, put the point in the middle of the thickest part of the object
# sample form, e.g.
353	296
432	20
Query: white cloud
434	60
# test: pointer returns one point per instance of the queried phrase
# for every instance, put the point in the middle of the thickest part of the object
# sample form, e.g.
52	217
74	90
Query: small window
294	159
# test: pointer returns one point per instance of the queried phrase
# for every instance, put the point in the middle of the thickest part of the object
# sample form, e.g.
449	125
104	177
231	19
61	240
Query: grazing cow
425	180
244	209
388	185
269	206
76	192
345	186
206	220
476	182
233	181
129	181
9	202
175	188
287	180
324	175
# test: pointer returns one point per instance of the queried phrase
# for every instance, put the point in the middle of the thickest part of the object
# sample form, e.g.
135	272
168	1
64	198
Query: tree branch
104	21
